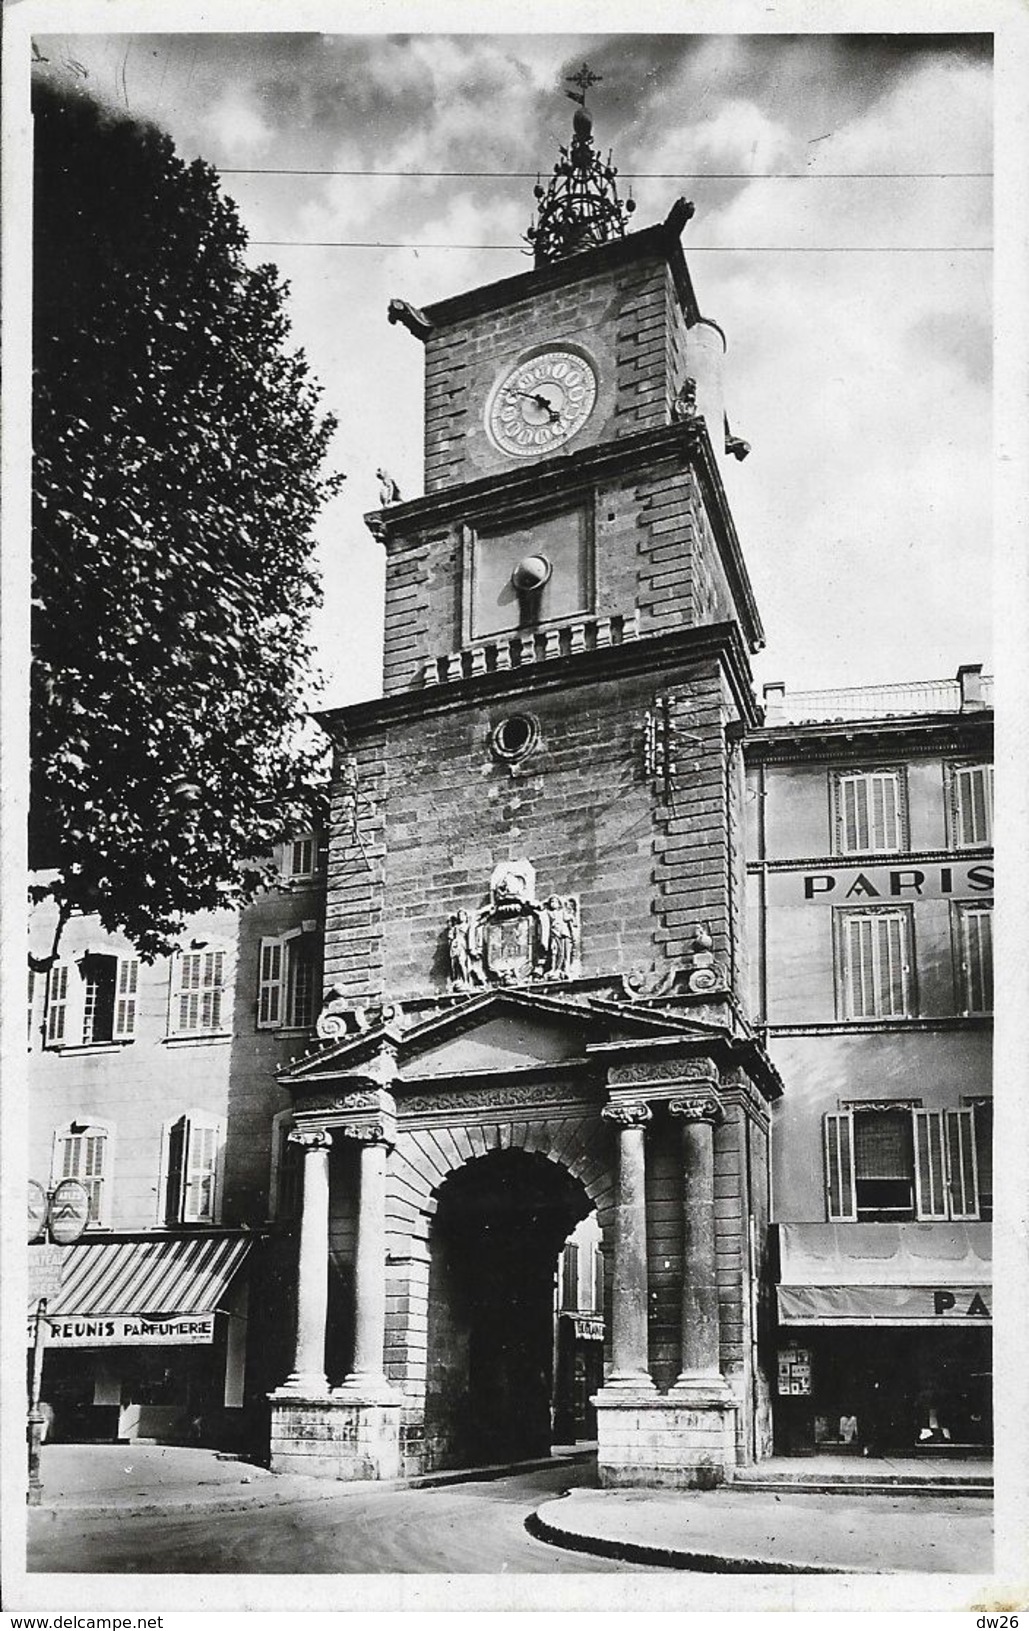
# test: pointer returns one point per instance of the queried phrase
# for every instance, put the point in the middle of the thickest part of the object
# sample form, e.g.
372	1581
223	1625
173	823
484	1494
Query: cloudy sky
841	238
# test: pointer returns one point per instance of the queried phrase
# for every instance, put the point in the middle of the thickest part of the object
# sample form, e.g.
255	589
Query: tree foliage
178	469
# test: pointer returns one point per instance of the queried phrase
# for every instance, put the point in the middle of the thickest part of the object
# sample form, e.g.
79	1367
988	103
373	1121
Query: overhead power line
691	249
632	175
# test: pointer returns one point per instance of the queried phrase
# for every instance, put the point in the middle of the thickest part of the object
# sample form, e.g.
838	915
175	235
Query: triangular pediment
493	1032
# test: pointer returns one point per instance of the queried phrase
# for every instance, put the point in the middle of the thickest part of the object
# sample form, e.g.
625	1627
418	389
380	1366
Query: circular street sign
37	1209
69	1211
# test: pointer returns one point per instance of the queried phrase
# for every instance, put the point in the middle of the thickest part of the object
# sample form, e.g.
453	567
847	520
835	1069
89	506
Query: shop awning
885	1274
143	1291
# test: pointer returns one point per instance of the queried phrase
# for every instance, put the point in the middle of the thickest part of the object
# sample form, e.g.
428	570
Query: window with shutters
92	1000
82	1150
888	1163
974	922
875	964
870	812
301	858
971	805
192	1164
200	997
289	981
570	1276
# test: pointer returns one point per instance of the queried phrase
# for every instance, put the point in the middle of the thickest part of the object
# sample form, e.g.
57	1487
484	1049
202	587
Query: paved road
460	1529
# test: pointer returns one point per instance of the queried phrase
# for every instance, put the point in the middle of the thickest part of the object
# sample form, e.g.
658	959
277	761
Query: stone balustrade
510	651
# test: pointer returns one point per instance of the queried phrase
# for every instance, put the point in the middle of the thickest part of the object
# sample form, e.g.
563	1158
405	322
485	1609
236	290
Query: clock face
541	403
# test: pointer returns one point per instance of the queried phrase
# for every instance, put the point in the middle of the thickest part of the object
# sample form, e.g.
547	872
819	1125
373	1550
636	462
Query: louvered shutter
961	1163
270	984
175	1162
977	958
841	1200
200	1201
570	1276
892	959
57	1003
973	804
125	998
930	1165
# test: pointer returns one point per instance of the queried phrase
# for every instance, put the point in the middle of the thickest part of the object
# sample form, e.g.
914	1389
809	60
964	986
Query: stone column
308	1374
366	1381
700	1337
629	1334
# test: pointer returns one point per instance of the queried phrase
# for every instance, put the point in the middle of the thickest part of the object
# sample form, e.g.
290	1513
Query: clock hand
542	402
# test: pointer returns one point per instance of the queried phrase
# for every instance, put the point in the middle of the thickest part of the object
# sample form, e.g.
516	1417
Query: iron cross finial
584	78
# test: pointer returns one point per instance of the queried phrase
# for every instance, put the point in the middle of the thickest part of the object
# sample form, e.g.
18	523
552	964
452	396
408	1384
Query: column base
334	1437
366	1387
684	1439
303	1385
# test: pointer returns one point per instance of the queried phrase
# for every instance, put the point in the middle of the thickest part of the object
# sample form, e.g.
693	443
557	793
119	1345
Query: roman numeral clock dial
541	403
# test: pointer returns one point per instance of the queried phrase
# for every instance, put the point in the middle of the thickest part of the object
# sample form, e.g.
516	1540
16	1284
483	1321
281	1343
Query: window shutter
200	1167
977	958
175	1157
893	965
57	1003
82	1157
598	1281
841	1201
930	1165
270	984
859	967
214	970
570	1276
125	998
201	979
961	1162
973	804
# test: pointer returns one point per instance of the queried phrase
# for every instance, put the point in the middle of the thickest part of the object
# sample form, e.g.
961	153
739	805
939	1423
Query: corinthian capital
700	1107
627	1115
311	1138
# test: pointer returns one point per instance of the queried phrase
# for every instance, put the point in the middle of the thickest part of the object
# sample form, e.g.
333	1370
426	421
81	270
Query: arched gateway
445	1163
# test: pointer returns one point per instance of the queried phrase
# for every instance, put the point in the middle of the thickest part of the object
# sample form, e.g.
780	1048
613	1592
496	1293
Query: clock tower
534	943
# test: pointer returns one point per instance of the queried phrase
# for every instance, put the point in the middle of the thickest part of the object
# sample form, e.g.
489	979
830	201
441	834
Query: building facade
154	1088
870	871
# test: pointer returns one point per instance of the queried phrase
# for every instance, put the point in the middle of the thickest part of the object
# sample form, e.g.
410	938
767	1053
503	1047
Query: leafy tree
178	468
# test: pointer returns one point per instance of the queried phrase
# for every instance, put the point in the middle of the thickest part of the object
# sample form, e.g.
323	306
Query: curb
314	1489
868	1486
631	1551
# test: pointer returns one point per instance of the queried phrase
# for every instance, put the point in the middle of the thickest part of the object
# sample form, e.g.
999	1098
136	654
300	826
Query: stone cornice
651	654
550	481
660	241
909	734
898	859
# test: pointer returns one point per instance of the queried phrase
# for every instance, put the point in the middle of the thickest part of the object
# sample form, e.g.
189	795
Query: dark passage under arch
500	1225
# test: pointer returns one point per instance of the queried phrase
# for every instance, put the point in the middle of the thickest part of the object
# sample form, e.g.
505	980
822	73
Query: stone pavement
761	1532
852	1530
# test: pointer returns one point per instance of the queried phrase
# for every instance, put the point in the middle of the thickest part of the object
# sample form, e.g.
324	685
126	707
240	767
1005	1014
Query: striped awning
143	1290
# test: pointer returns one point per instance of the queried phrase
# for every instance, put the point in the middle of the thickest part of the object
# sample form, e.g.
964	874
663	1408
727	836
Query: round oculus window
514	737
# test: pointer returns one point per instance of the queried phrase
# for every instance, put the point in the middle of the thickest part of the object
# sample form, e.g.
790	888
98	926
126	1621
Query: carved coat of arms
516	938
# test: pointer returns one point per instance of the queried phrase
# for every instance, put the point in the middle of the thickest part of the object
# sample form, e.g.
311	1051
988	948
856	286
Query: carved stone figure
389	492
464	945
558	924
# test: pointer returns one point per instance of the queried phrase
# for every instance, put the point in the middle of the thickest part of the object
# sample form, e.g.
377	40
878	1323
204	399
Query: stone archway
500	1222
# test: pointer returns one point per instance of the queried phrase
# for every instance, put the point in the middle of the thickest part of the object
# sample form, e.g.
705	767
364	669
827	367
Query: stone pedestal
335	1438
684	1439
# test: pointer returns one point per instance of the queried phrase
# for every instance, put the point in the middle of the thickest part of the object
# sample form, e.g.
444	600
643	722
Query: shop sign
897	883
46	1265
590	1329
794	1375
107	1330
890	1305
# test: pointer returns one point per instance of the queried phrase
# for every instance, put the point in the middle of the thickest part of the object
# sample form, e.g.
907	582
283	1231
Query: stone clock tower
534	941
